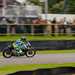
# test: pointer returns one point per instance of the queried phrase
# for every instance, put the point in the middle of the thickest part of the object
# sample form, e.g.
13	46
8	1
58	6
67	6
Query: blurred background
37	16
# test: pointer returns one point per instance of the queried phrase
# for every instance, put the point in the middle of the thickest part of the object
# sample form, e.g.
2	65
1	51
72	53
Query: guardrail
47	45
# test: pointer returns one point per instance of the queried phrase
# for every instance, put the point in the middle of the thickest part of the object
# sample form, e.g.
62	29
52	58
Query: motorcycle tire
7	53
30	53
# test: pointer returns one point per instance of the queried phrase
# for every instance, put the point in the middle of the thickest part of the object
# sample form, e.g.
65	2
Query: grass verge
55	51
31	37
13	68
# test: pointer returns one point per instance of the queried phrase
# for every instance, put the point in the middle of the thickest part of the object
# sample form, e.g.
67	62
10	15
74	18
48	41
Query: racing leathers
20	45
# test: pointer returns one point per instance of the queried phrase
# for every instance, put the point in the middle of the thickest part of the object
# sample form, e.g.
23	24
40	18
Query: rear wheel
30	53
7	53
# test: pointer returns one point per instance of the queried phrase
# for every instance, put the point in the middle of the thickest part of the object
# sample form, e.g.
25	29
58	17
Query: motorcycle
10	51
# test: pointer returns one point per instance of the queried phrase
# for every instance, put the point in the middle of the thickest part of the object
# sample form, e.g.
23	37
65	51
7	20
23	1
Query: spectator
54	20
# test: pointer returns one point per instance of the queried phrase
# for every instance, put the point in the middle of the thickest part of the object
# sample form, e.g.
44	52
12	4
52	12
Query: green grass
13	68
55	51
41	37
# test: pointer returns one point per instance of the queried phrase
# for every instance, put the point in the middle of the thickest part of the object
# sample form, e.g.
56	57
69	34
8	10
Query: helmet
23	38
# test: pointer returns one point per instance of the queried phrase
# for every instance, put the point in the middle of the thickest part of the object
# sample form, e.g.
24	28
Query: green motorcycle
10	51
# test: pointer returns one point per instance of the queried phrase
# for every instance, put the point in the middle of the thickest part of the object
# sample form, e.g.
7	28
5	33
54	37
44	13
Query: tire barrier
47	45
53	71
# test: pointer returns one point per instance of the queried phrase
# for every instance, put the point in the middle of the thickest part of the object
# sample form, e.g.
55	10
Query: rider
20	44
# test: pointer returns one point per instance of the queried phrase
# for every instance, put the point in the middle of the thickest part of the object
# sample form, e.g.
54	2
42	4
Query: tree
57	6
36	2
70	6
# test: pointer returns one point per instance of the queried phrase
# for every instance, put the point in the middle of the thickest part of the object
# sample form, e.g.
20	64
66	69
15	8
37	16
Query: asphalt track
40	59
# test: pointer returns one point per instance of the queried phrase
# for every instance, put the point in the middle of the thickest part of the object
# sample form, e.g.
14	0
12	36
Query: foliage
71	6
36	2
58	6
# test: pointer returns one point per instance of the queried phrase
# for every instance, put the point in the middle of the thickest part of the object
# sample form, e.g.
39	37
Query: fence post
8	29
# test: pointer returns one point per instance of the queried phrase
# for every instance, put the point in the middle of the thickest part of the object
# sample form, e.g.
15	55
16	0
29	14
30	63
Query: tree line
58	6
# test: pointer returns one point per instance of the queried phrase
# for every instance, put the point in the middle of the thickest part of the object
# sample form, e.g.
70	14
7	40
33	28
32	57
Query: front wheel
30	53
7	53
